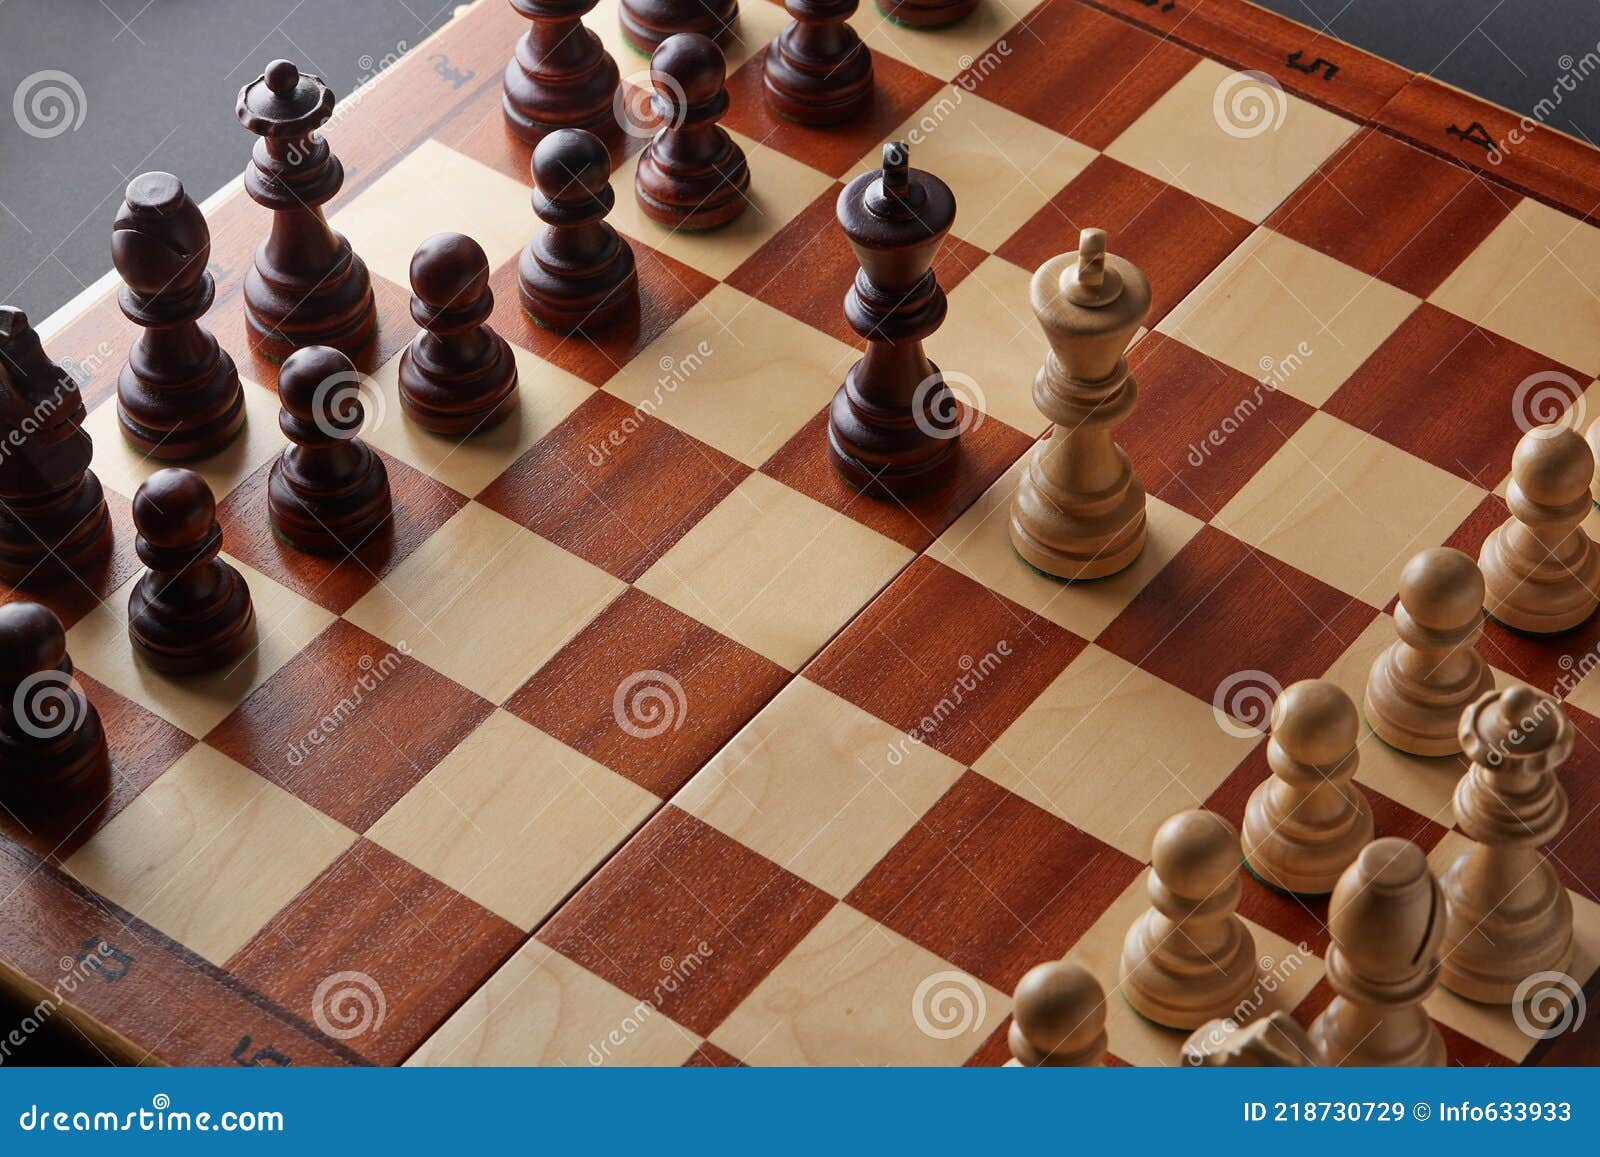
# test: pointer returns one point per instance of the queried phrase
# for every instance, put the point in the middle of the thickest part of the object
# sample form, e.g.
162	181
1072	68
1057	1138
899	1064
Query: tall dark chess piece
893	427
691	175
577	272
190	611
817	70
559	77
178	396
328	493
306	287
927	13
53	519
646	23
51	740
457	376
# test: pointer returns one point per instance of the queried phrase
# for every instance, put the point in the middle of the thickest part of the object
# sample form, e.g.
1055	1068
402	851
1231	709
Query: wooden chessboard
607	754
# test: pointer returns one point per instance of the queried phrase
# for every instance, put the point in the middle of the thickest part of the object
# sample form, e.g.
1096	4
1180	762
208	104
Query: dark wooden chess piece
577	273
51	741
457	376
646	23
927	13
328	493
893	427
178	396
53	519
190	611
691	175
559	77
306	287
817	71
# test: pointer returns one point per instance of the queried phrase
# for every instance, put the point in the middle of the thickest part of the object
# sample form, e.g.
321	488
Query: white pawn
1541	571
1190	958
1307	821
1420	684
1510	917
1387	919
1058	1017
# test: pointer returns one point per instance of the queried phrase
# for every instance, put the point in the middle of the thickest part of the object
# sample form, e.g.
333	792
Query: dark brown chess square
967	661
614	486
955	885
1174	237
681	890
1433	214
347	702
1201	429
423	946
1220	608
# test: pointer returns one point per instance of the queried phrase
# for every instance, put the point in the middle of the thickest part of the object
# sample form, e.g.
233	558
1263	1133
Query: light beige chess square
818	786
978	544
1001	166
123	469
547	395
1275	306
945	52
1325	503
542	1009
774	570
513	819
1103	720
1535	280
990	312
735	373
1425	785
209	853
1549	1004
1235	139
780	187
434	189
855	993
1287	972
485	601
285	623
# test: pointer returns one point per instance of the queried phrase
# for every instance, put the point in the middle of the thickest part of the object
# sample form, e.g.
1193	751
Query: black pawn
53	518
178	396
190	611
691	175
817	71
328	493
646	23
51	740
577	273
457	376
